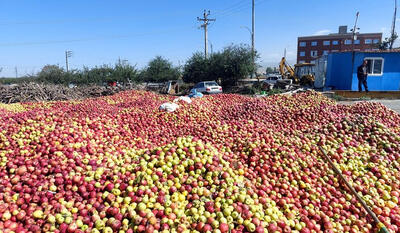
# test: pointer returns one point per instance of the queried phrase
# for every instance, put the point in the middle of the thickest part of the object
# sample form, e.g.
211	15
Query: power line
238	4
240	9
92	38
56	21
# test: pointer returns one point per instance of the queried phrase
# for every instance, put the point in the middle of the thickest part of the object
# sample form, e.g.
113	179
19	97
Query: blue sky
35	33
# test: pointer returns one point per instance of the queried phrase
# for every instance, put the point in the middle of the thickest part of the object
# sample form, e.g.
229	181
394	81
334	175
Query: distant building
310	48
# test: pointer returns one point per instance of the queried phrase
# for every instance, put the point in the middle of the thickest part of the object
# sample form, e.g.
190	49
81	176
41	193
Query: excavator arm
285	69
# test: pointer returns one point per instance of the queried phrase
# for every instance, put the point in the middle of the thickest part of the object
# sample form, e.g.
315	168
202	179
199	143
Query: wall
389	81
338	75
341	47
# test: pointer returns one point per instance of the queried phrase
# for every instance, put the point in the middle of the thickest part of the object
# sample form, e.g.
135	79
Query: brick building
311	47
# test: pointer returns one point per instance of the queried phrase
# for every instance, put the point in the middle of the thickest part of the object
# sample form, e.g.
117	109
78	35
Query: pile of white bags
183	98
169	107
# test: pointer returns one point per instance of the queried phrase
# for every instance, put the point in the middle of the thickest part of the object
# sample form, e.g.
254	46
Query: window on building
368	41
327	42
314	43
301	62
303	44
326	52
347	42
357	42
314	53
302	54
335	42
376	41
334	51
375	65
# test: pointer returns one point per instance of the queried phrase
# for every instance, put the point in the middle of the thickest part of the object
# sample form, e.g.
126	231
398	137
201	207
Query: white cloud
322	32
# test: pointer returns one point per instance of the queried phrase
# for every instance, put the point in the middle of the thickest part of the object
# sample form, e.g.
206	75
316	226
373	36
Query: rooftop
342	33
337	35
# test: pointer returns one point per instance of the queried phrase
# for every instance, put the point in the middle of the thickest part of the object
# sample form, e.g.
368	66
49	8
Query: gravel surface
392	104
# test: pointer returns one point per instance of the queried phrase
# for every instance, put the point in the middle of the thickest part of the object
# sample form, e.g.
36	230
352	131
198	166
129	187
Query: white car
208	87
272	78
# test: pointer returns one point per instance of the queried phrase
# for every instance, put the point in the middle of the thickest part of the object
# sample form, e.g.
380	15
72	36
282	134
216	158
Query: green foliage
338	97
274	92
229	65
238	64
197	68
269	70
17	80
160	70
98	75
388	42
52	74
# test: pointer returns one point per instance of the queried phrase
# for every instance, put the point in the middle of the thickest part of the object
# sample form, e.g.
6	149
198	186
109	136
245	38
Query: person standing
362	74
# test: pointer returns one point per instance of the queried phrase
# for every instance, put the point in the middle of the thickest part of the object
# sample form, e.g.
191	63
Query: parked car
272	78
208	87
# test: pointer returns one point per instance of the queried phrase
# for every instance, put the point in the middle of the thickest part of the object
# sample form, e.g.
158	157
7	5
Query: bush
98	75
160	70
196	69
52	74
231	64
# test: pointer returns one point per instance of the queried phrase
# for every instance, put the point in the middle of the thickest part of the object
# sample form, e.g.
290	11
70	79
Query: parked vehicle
272	78
208	87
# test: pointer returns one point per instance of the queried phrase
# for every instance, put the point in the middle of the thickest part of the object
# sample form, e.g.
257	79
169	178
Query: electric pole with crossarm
206	21
68	54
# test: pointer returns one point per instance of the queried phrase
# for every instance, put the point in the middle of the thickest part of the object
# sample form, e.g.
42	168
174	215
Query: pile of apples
224	163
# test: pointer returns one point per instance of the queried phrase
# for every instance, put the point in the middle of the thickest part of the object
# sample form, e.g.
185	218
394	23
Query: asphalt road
392	104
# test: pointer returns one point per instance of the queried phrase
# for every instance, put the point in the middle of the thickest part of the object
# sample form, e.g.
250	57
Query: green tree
105	73
269	70
100	75
237	64
160	70
197	68
52	74
388	42
125	72
229	65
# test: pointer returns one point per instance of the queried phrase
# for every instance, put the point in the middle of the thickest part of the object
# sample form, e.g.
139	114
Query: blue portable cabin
383	74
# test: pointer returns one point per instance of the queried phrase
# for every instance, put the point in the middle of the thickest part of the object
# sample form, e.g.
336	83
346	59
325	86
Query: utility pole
68	54
16	72
355	30
206	21
393	35
354	37
253	28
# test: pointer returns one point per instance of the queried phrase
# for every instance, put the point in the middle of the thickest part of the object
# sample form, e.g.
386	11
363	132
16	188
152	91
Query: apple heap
222	163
